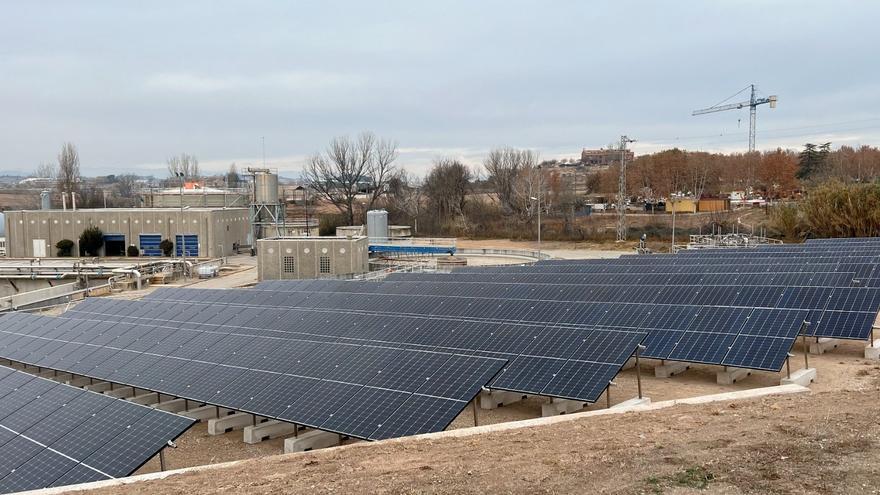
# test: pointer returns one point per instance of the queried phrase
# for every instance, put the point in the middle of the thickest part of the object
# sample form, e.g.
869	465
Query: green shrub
91	240
167	247
132	251
65	248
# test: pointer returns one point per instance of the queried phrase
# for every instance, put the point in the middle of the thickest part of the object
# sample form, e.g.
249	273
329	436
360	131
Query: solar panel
669	320
53	434
296	380
496	338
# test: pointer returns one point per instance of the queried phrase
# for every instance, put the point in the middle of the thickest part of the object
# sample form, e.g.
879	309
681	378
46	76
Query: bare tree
185	164
404	197
348	168
68	168
46	170
126	185
446	188
512	176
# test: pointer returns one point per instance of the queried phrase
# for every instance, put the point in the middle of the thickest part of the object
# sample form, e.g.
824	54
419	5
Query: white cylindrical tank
265	188
2	225
45	200
377	224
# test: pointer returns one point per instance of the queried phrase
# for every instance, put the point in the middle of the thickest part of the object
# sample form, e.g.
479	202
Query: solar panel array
53	434
357	389
673	330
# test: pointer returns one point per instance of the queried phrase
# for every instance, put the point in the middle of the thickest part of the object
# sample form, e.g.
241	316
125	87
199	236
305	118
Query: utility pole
181	223
621	190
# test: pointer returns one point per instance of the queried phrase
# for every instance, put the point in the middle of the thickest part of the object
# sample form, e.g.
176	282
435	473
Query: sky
133	83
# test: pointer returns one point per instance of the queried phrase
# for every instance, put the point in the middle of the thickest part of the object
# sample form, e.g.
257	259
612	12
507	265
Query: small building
681	205
311	257
713	204
203	232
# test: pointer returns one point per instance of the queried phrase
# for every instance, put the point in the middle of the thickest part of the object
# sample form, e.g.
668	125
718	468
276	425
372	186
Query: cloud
294	81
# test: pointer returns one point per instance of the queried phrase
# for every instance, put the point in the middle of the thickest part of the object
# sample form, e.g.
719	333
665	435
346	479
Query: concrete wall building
311	257
603	157
204	232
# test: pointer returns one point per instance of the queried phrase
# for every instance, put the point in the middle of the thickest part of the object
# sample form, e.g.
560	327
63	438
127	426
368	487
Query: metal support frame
804	327
476	417
639	349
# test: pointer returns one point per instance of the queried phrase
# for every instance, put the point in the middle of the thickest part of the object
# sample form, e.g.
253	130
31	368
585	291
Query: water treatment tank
266	188
377	224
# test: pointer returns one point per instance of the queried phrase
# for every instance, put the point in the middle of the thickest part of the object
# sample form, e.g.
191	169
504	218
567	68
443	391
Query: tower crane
753	103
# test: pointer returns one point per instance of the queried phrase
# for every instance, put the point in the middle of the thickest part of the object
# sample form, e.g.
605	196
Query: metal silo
45	200
377	224
266	188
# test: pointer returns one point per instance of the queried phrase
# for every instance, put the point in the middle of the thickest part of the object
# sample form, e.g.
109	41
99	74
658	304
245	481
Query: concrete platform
873	351
669	370
237	421
120	393
269	429
310	440
822	346
561	406
497	398
644	401
730	376
803	377
174	405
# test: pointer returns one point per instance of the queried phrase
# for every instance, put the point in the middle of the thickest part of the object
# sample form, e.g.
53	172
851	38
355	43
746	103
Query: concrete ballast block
269	429
204	413
221	425
731	375
803	377
145	399
79	381
822	346
873	351
496	398
99	386
120	393
669	370
561	406
174	405
310	440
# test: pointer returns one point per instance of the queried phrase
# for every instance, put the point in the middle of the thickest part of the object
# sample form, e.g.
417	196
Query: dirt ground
824	442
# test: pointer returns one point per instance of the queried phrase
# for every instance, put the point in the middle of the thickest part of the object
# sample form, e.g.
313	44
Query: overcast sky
132	83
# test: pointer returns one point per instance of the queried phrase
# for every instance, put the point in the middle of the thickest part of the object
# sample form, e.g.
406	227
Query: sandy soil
824	442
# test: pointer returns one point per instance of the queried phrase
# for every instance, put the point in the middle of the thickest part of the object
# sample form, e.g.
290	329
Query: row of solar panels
686	332
313	382
860	270
830	308
796	279
54	435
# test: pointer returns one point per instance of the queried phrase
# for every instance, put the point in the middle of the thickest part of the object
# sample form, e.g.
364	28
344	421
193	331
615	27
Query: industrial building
204	232
311	257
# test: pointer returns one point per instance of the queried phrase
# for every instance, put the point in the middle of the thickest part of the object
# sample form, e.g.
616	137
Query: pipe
130	271
73	200
64	201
